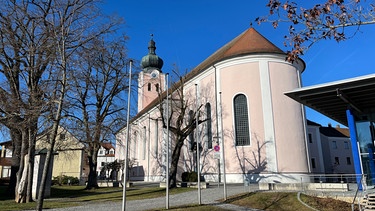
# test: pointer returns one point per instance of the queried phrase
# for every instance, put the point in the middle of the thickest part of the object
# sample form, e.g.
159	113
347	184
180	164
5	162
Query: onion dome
151	61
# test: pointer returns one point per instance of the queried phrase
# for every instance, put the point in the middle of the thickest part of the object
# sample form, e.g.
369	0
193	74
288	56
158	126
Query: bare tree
96	95
330	19
180	102
26	53
37	40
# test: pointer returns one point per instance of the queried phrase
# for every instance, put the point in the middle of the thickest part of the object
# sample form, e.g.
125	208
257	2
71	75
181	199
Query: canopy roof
333	99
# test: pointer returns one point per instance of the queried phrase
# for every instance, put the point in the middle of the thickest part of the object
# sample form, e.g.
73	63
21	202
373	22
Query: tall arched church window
241	120
191	135
149	86
209	126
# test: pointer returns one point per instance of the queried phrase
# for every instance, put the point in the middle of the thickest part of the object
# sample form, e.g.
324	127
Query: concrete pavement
210	196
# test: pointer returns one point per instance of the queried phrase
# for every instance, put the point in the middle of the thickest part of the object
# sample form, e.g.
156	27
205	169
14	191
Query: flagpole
167	160
127	141
198	144
222	143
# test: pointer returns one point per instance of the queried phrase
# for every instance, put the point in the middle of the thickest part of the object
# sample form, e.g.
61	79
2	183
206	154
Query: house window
149	86
111	151
337	161
62	136
209	126
346	145
348	161
334	145
310	138
101	152
103	163
241	120
313	165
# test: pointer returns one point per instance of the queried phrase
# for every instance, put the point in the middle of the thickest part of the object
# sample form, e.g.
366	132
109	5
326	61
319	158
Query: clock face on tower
154	74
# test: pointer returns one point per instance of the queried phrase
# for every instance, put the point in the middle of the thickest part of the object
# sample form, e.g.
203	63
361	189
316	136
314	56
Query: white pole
222	143
198	143
167	160
127	141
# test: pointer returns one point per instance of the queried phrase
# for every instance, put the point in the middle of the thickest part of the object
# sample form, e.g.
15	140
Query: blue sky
187	32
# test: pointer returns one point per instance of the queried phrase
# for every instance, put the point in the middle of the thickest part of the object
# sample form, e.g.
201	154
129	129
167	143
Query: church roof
248	42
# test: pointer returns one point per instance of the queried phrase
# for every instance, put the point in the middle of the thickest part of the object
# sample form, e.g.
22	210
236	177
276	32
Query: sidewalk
210	196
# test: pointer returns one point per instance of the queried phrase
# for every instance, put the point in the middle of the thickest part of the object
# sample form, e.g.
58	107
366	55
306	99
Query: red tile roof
248	42
5	162
107	146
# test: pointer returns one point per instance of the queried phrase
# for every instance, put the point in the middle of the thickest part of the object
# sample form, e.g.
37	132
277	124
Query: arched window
209	126
149	86
241	120
157	87
191	135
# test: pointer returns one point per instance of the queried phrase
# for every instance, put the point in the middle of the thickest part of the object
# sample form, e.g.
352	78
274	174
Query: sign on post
217	152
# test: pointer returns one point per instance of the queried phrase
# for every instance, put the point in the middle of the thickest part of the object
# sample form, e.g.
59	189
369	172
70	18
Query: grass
285	201
276	201
67	196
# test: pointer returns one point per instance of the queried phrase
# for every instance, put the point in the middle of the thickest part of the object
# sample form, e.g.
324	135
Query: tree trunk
92	182
42	187
174	163
16	138
22	182
31	153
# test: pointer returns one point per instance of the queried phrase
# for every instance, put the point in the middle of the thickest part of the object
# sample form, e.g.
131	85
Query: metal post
222	143
198	144
127	140
167	160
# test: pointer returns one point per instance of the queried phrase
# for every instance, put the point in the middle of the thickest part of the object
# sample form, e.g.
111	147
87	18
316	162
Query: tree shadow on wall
253	164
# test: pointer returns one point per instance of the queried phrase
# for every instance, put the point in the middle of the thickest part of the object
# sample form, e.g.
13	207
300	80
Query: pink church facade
259	131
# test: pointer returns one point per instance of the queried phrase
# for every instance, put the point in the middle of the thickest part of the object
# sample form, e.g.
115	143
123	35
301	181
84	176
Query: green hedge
63	180
189	177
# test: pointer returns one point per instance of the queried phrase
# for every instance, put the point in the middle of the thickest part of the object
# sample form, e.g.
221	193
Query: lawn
276	201
67	196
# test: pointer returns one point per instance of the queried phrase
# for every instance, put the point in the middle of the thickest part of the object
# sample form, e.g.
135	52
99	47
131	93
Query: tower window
157	87
241	120
149	86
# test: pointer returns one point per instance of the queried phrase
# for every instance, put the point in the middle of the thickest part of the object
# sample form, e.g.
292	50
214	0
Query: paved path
210	196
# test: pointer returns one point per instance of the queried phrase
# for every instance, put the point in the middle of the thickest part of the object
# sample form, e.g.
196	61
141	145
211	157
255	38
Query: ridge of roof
248	42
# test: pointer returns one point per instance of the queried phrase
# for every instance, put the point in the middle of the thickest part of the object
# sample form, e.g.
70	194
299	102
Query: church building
251	130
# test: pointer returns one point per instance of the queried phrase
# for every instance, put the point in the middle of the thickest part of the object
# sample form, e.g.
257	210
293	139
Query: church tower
151	80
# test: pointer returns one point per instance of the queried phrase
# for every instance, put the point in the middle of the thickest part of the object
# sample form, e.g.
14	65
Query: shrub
63	180
189	176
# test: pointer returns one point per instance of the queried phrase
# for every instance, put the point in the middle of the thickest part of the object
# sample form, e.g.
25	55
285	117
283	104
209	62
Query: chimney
329	125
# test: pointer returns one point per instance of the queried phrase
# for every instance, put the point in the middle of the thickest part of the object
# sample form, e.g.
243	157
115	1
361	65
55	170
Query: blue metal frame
355	150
